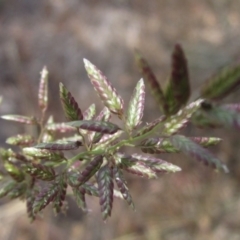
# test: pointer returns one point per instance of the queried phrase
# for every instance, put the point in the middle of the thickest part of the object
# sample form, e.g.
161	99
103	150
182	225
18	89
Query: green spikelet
136	106
70	106
223	83
194	150
14	172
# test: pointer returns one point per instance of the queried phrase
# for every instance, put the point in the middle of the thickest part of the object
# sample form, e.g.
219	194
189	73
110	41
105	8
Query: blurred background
196	203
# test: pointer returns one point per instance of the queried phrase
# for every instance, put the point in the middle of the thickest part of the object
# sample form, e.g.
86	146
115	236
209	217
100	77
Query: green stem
83	154
127	142
42	128
125	126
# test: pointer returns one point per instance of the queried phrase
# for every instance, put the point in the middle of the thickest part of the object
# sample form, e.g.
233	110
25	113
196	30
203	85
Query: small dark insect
206	105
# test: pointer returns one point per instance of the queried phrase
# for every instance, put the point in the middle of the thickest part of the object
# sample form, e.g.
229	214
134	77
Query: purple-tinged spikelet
136	106
90	169
121	183
104	88
151	81
96	126
105	190
70	106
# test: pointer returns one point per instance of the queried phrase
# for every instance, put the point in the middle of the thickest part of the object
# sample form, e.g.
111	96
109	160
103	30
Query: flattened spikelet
105	189
104	88
70	106
136	106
